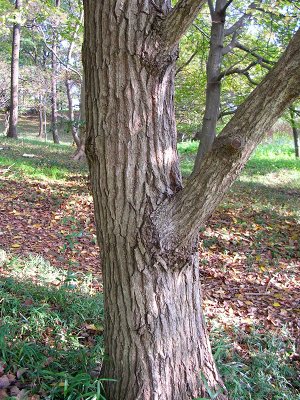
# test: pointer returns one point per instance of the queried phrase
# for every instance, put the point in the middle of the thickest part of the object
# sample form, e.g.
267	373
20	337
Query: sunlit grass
39	160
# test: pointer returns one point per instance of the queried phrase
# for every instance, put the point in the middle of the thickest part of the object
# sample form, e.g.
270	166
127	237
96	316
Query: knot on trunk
229	146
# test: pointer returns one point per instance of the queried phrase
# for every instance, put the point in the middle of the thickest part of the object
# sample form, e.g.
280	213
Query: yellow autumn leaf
276	304
93	327
15	246
278	295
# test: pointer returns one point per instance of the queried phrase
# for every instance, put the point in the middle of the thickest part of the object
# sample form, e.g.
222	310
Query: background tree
147	224
14	86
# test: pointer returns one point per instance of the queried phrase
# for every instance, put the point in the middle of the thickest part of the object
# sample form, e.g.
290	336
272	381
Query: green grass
50	161
45	313
51	327
257	366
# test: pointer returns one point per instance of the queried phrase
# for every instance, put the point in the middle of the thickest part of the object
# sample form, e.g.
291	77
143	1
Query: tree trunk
295	132
213	86
155	334
80	152
71	113
54	111
41	117
155	337
6	121
14	98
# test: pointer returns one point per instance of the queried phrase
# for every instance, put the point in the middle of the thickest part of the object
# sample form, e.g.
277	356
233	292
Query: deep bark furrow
153	323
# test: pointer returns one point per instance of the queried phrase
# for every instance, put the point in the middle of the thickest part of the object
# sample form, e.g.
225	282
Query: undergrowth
50	330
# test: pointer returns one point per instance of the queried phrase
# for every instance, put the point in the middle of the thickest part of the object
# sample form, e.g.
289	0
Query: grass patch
51	320
50	330
257	366
49	161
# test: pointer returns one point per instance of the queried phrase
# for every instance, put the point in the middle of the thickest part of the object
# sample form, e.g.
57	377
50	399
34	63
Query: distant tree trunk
54	111
295	132
147	224
71	113
41	117
213	87
214	78
45	122
41	121
80	153
6	120
14	99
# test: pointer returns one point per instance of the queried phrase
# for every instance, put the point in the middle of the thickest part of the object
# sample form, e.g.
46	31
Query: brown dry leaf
14	391
4	382
20	372
3	394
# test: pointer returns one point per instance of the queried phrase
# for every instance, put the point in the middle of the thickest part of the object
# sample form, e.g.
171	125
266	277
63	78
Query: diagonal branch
241	21
64	64
253	53
185	64
231	71
178	21
179	218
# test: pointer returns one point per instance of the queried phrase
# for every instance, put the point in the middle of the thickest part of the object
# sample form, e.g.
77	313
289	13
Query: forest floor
250	265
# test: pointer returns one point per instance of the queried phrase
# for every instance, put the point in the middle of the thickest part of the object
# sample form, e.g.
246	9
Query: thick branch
227	5
226	112
211	8
231	71
227	49
241	21
178	21
180	217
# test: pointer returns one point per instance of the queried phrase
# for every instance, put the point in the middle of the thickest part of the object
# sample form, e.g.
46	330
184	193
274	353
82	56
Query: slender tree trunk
45	122
213	86
295	132
155	334
14	99
54	111
71	113
6	121
80	152
41	122
41	117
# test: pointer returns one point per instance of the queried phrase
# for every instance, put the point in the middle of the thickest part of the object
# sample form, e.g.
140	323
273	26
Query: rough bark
54	65
155	335
14	97
295	132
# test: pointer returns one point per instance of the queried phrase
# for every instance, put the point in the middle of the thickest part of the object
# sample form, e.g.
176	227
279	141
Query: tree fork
155	337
